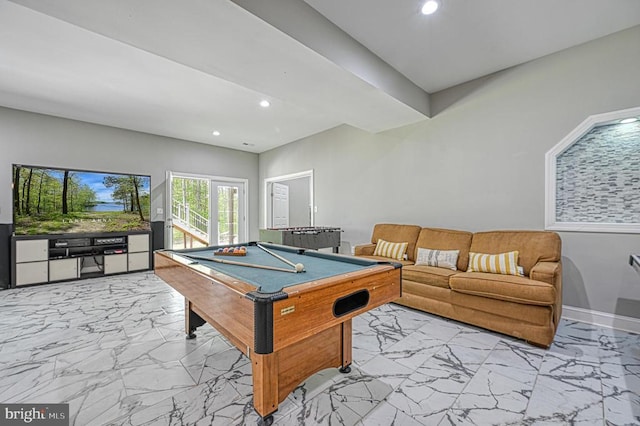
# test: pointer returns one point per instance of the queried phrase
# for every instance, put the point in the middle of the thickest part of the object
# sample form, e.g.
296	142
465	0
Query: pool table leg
347	349
265	385
191	320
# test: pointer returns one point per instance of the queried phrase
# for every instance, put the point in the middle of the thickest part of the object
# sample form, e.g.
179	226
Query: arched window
593	176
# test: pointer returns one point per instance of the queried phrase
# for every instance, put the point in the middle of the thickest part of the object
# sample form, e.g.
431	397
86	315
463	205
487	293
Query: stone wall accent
598	177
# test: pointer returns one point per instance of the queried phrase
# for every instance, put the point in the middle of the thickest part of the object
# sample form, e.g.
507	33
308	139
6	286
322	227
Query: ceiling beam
303	23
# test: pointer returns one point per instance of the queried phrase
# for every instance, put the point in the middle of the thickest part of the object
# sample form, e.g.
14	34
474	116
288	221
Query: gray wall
41	140
478	164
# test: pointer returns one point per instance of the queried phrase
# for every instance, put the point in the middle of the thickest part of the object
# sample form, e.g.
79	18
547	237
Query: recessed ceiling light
429	7
216	133
265	103
629	120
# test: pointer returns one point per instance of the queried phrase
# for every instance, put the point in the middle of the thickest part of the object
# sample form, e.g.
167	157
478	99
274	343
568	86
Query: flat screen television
63	201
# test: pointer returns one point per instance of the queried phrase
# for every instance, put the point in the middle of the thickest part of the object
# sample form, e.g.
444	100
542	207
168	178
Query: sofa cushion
500	310
504	287
503	263
446	239
395	251
532	246
397	234
428	275
439	258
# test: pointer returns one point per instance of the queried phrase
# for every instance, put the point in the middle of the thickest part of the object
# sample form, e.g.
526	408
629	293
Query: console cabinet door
138	246
138	243
138	261
32	273
63	269
32	250
32	264
115	263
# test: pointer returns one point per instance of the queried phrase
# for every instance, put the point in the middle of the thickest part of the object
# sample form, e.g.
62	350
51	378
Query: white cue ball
299	267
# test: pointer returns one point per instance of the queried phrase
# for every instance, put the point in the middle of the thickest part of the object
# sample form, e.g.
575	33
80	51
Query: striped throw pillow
393	250
438	258
503	263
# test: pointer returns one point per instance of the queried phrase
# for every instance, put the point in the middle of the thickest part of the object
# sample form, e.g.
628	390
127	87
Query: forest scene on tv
54	201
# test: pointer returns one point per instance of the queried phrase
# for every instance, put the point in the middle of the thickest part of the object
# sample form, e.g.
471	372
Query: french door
228	212
205	211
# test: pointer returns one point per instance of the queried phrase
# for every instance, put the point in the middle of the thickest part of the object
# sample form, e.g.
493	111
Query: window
593	176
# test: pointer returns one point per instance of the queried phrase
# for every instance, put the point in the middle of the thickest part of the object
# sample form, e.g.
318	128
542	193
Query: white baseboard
619	322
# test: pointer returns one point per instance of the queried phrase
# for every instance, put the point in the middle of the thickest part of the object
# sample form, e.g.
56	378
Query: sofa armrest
364	250
550	272
546	272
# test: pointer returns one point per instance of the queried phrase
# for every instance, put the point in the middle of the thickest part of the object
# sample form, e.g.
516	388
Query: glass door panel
190	212
230	214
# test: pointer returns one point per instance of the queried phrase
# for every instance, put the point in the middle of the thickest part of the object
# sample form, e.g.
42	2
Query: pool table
289	324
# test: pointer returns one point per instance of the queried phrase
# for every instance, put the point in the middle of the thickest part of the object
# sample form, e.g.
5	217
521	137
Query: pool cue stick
250	265
277	256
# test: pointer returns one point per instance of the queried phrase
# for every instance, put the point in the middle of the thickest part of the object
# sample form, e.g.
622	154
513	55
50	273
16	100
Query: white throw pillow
438	258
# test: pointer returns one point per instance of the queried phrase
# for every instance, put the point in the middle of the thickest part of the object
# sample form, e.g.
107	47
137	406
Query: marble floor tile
321	410
385	414
567	390
156	377
314	385
222	363
81	362
441	328
19	378
359	391
201	404
490	398
368	344
517	360
114	349
414	350
428	393
386	370
459	354
194	362
621	404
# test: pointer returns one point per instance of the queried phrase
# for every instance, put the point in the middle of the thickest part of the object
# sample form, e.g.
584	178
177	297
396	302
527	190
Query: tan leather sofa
526	307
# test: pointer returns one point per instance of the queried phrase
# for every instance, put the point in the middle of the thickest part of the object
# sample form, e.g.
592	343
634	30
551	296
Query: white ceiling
467	39
184	69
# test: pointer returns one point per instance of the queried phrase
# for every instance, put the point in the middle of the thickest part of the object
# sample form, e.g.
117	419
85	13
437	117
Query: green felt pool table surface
317	265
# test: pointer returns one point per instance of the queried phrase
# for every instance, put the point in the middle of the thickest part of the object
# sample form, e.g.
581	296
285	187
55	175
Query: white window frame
585	127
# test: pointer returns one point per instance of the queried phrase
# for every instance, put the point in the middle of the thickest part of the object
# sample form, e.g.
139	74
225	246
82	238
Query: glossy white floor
114	349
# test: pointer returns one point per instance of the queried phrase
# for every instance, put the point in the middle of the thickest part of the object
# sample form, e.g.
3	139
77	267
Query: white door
280	205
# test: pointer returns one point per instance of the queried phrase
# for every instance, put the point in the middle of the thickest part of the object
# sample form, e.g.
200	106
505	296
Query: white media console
44	259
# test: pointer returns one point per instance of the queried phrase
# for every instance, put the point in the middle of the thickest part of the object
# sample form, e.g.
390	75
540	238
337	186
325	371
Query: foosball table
312	237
